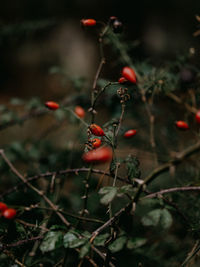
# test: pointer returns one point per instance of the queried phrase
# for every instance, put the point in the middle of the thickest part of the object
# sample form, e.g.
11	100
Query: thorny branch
61	172
154	174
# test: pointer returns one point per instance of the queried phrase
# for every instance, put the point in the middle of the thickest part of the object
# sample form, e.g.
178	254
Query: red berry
80	112
122	80
9	213
96	142
96	130
130	133
99	155
52	105
3	206
129	74
182	125
88	22
197	116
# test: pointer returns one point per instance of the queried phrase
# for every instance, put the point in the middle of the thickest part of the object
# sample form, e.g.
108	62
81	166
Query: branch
181	102
21	242
180	157
170	190
40	193
61	172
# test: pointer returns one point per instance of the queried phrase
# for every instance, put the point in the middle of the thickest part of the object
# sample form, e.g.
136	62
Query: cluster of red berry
128	75
6	212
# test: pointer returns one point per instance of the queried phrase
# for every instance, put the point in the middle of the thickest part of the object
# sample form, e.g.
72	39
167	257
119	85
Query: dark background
36	35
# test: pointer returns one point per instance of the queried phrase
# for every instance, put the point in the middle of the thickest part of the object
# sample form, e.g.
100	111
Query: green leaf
126	189
59	114
136	243
132	166
100	239
84	250
118	244
51	241
156	217
68	238
109	193
16	101
77	242
34	103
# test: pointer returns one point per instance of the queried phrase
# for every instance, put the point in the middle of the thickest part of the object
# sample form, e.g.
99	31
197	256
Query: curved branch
170	190
61	172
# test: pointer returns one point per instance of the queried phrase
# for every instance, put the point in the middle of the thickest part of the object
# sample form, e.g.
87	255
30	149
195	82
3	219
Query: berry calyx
197	116
122	80
99	155
88	22
52	105
129	74
79	111
96	142
3	206
9	213
182	125
130	133
117	26
112	19
96	130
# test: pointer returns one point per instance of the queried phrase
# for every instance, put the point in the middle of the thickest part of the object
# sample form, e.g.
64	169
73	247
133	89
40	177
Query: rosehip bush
109	175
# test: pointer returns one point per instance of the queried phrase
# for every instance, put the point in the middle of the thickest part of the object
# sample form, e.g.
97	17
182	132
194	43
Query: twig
10	255
170	190
180	157
40	193
21	242
120	120
192	253
85	197
32	225
180	101
61	172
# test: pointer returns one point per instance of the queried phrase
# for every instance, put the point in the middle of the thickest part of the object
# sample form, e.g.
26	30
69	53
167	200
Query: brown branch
170	190
21	242
180	157
181	102
61	172
32	225
10	255
40	193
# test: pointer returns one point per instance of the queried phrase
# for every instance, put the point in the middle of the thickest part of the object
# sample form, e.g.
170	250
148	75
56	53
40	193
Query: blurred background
36	36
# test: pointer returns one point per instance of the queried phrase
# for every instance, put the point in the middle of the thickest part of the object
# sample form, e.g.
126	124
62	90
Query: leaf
156	217
166	219
68	238
16	101
132	166
33	103
84	250
51	241
126	189
100	239
109	193
59	114
136	242
77	242
118	244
